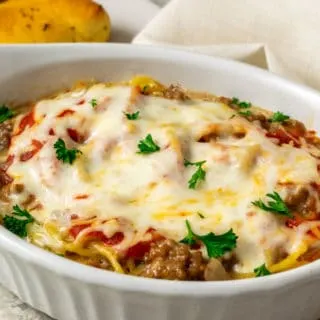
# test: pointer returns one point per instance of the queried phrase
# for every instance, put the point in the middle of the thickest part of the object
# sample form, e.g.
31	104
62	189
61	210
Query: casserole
86	293
158	181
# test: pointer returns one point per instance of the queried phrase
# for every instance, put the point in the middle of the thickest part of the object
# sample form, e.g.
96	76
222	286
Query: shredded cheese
150	191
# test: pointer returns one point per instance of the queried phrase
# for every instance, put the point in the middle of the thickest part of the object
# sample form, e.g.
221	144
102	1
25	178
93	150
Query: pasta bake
161	182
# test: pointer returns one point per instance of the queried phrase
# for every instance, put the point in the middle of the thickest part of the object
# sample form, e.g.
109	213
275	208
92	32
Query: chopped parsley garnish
64	154
240	104
189	163
190	238
199	174
261	271
245	113
147	145
5	113
276	205
18	221
93	102
200	215
132	116
243	106
279	117
216	245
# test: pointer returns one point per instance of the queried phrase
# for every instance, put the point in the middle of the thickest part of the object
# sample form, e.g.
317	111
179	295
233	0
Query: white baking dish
70	291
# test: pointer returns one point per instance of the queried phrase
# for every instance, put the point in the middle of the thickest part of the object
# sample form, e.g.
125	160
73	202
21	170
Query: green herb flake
5	113
199	174
64	154
235	101
216	245
17	222
261	271
93	102
132	116
279	117
246	113
240	104
200	215
190	238
147	145
144	89
276	205
188	163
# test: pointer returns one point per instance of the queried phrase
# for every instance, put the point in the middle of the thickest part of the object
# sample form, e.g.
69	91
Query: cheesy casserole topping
159	182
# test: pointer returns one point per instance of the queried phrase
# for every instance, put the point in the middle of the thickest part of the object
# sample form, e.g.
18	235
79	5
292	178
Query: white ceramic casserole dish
70	291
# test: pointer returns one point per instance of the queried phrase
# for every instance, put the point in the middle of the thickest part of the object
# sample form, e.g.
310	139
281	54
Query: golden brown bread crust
31	21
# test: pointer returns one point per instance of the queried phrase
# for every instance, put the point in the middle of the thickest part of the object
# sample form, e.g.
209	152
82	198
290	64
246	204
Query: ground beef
4	192
295	128
175	92
170	260
221	131
262	119
5	179
225	100
312	254
5	134
229	261
18	188
301	201
312	139
296	197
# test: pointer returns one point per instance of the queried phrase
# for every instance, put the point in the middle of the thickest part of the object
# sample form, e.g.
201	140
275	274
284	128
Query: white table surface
128	17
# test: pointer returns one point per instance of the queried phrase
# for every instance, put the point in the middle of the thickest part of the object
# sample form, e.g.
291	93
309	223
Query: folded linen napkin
128	17
279	35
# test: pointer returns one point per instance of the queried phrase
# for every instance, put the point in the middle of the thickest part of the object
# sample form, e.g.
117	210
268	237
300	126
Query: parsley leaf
18	221
216	245
189	163
245	113
279	117
261	271
198	175
64	154
275	206
200	215
132	116
5	113
190	238
147	145
243	106
93	102
240	104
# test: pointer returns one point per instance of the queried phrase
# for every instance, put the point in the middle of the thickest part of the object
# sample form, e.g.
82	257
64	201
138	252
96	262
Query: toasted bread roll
31	21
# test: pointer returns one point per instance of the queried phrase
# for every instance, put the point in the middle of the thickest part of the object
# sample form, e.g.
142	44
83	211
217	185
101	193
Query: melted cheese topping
111	180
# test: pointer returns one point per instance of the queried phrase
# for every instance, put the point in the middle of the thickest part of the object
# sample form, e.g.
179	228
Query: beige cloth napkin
280	35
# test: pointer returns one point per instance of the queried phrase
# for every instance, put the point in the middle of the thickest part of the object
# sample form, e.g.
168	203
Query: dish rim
73	270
